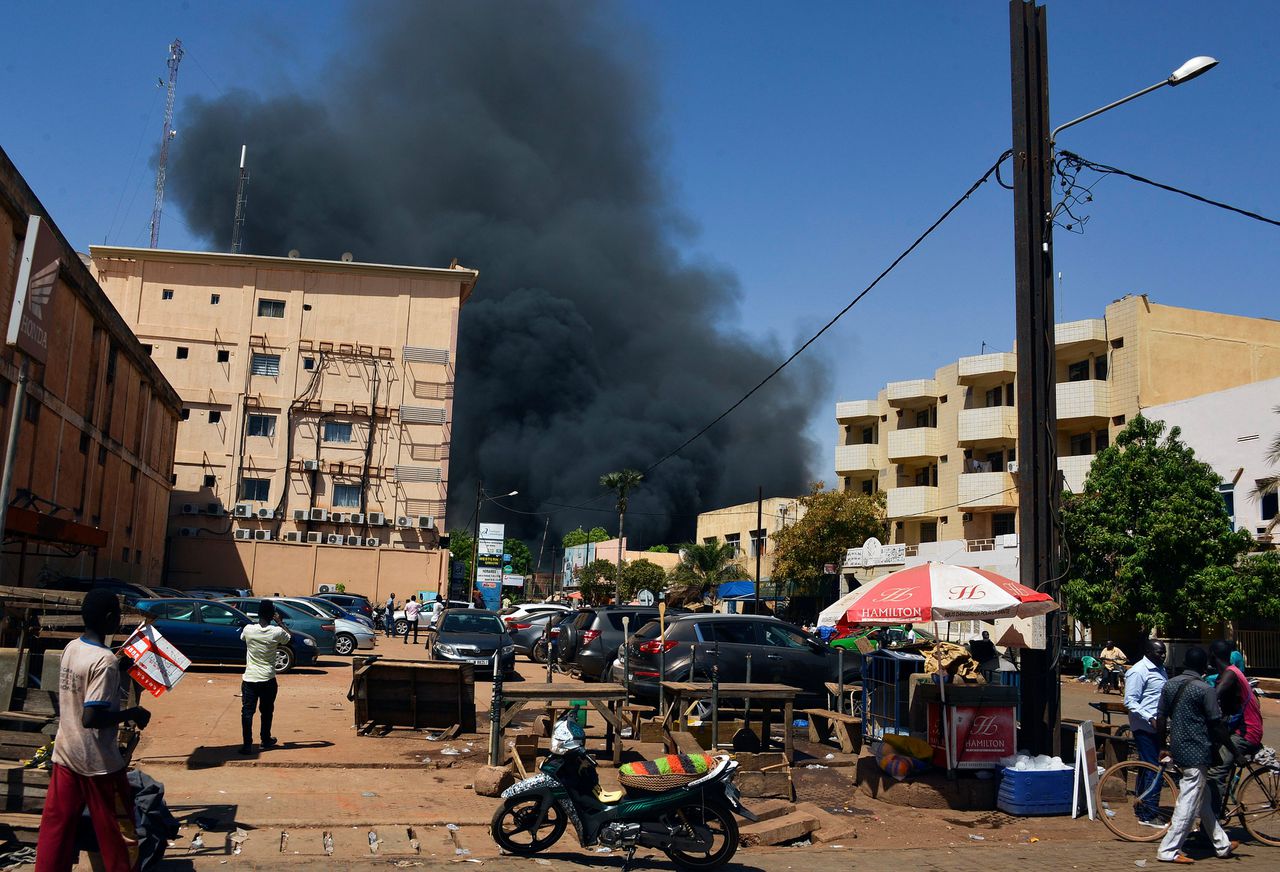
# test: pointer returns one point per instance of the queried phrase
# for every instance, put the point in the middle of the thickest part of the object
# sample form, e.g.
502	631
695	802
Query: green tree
582	537
659	549
702	568
830	523
520	557
460	547
596	582
1149	541
638	575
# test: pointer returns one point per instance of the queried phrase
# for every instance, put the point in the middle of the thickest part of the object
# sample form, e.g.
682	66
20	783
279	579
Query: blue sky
806	143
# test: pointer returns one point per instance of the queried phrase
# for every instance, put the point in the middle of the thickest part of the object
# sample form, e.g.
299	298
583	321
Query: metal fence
1261	648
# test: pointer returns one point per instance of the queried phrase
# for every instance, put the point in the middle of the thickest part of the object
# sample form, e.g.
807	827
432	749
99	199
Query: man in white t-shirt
258	686
436	608
411	610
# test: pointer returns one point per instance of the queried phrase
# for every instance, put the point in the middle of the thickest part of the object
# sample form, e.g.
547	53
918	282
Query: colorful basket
665	773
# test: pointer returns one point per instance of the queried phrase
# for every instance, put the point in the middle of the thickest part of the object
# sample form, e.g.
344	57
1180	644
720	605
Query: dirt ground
403	789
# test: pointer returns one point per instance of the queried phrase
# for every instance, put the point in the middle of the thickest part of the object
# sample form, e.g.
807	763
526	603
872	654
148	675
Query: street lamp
1197	66
481	498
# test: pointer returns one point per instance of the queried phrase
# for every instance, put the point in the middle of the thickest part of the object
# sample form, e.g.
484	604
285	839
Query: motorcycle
692	824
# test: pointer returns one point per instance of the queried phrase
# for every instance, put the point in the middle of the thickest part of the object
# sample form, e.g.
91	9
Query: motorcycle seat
607	797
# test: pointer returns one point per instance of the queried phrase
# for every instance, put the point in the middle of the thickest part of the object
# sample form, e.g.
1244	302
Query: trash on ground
451	826
368	793
1141	864
603	850
815	766
974	837
462	852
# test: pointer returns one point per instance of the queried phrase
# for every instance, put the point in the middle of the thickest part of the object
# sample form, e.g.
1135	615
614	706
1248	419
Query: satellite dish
293	252
347	257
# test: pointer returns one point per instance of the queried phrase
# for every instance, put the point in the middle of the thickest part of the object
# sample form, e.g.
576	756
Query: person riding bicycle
1243	714
1113	666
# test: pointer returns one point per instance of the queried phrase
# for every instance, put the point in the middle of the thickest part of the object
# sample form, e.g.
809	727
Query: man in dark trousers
88	769
258	686
1189	711
1243	714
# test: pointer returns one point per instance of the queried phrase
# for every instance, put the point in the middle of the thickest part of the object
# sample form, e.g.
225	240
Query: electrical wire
1077	160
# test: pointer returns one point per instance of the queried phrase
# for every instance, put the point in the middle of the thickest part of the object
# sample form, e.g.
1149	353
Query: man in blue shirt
1142	686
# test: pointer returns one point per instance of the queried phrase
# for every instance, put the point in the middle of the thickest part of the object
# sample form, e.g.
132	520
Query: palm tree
621	483
703	567
1271	483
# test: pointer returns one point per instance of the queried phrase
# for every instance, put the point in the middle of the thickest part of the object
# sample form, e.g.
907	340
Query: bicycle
1253	796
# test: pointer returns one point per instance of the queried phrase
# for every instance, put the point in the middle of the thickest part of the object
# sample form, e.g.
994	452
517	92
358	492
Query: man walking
411	609
258	686
389	616
1142	686
1242	713
436	608
88	769
1189	706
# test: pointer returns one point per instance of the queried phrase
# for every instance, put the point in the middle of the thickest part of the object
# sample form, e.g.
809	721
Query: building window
996	460
265	364
1078	371
166	294
759	543
223	355
183	352
1008	394
1270	505
308	363
1003	523
271	308
868	487
255	489
215	416
1101	439
262	425
346	496
923	418
929	531
1100	368
1081	444
215	299
734	539
337	431
210	481
185	414
868	435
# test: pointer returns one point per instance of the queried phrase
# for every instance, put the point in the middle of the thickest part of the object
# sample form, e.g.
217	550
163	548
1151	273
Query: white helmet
567	736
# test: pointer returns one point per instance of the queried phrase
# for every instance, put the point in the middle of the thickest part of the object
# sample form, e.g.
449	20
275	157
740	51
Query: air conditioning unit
215	509
292	536
326	588
967	516
300	514
188	531
311	465
190	509
426	522
376	519
319	514
355	540
243	510
372	542
266	514
355	518
333	539
1012	466
337	518
315	538
262	535
404	521
244	534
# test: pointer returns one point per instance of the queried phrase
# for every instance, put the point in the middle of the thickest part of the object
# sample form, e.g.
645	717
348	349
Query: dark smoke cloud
521	138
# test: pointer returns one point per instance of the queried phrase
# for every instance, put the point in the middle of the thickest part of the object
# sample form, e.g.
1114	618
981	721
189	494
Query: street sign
874	553
646	598
30	319
493	531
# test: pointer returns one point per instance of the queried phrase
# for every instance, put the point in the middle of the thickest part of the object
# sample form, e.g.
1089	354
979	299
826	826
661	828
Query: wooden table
604	698
1108	709
770	697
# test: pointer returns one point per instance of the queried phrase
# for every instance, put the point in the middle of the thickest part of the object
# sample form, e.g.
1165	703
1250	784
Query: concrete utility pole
1038	480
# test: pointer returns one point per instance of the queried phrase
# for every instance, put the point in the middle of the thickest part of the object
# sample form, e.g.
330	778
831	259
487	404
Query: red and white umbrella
942	592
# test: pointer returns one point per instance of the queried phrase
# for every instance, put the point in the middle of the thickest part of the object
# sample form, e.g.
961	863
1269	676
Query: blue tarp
736	588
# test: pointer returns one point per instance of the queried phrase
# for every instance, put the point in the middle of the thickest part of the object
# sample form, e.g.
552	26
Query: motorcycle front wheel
516	829
724	836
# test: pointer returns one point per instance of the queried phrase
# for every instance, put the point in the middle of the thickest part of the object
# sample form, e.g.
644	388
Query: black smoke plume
522	139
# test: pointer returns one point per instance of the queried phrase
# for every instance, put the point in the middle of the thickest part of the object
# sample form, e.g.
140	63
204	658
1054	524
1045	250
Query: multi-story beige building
317	402
95	440
736	525
944	448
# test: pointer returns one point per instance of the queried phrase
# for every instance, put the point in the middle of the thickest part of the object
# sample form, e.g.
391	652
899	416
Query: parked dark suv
781	653
591	640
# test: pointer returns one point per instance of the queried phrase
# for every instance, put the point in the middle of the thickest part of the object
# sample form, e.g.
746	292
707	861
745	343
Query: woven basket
656	783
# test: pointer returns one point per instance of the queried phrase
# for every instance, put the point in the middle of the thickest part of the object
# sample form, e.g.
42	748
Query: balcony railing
992	424
911	393
987	490
1081	400
913	502
855	411
852	459
987	368
918	443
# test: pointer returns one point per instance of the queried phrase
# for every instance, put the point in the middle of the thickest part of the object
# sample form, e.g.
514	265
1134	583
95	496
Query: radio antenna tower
237	228
175	58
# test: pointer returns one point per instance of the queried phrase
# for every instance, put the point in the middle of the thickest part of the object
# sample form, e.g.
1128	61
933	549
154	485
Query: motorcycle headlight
447	649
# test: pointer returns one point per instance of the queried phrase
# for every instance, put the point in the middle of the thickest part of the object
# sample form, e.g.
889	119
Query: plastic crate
1035	793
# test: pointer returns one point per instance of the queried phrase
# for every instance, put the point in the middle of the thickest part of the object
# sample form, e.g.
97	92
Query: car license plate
480	661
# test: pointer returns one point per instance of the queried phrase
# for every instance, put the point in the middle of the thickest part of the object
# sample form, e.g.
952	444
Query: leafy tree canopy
460	546
521	560
703	566
582	537
1150	541
596	579
659	549
832	522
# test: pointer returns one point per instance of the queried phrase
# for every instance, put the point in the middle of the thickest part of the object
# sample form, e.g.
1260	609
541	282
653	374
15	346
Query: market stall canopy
735	588
941	592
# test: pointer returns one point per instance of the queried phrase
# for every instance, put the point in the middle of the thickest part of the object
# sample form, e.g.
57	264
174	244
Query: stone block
492	780
787	828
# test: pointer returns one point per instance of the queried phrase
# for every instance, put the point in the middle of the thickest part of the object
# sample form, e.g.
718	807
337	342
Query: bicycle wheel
1258	800
1121	791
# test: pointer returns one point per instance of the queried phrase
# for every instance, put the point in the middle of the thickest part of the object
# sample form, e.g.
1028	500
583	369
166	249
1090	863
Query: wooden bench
824	722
